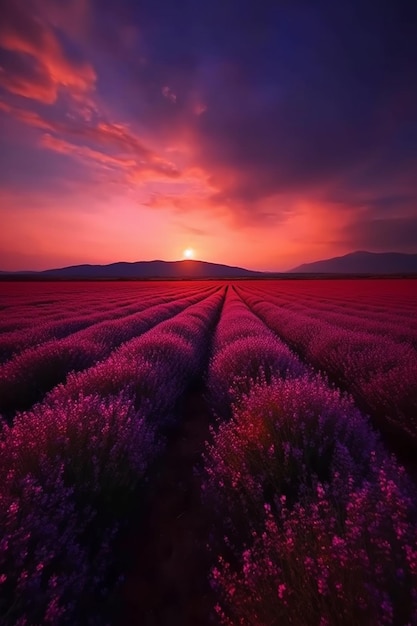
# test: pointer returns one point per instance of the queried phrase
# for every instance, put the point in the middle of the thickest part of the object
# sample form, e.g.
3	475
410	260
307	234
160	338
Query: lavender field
208	452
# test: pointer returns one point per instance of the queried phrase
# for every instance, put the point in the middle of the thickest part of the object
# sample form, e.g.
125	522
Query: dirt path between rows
166	583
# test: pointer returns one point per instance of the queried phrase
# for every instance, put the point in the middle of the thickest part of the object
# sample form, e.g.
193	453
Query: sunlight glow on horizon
188	253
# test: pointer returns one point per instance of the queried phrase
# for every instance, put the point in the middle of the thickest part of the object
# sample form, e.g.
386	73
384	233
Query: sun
188	253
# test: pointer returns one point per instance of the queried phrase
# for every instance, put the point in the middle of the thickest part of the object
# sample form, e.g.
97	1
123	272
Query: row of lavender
401	326
313	522
61	322
21	303
367	295
43	328
378	371
25	378
71	468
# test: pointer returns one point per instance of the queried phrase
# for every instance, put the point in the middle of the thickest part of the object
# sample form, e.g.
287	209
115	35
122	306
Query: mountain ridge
362	262
356	263
144	269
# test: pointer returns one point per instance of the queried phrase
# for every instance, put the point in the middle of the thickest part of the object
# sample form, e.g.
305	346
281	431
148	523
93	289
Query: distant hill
363	263
366	263
146	269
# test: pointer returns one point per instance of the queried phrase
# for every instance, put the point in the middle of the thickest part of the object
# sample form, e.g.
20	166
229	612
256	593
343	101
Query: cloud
199	108
191	229
35	65
103	143
84	152
295	107
133	170
121	138
187	199
26	116
169	94
24	76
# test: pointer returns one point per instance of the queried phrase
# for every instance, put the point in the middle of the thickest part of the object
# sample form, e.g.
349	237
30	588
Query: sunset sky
256	133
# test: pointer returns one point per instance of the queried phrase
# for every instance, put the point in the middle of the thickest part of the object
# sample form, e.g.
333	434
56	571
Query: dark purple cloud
298	96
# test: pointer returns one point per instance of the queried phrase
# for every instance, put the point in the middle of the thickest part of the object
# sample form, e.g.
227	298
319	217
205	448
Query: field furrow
13	342
27	377
380	373
297	484
82	457
402	329
200	453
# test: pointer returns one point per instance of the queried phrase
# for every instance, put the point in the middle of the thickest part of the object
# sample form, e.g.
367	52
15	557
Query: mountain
363	263
353	263
146	269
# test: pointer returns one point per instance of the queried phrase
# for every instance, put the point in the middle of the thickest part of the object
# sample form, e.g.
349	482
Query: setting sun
188	253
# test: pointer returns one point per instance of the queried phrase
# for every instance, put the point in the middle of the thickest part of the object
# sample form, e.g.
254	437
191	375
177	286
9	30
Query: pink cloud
131	170
113	145
50	70
84	152
199	108
169	94
26	116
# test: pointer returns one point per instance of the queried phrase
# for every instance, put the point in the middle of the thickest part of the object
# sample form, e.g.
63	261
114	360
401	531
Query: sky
262	134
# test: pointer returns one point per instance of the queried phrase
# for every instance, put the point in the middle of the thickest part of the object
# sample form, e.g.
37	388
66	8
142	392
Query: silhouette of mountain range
363	263
353	263
147	269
